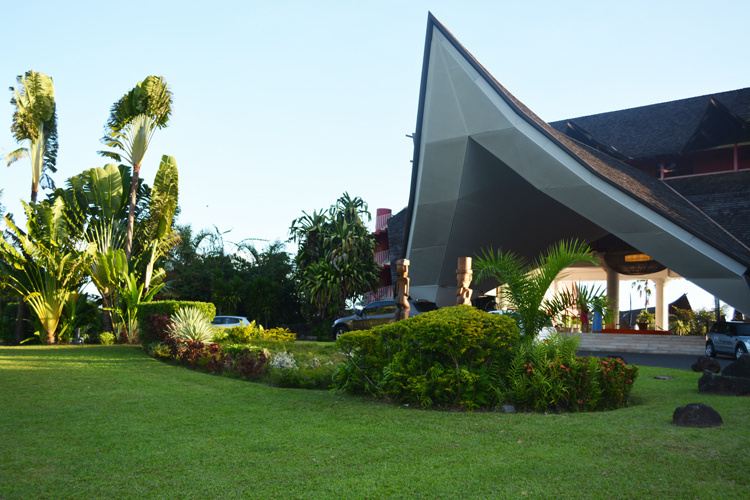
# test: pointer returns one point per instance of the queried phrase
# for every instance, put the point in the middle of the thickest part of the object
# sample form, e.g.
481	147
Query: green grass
103	422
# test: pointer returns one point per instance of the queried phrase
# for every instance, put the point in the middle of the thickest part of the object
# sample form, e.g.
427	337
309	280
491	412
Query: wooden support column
402	289
463	277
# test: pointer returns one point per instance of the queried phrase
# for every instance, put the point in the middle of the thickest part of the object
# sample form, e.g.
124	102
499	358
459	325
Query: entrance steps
641	343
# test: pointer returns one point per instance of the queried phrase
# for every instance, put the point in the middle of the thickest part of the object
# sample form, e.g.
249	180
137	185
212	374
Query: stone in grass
739	368
509	408
705	363
696	415
723	385
663	377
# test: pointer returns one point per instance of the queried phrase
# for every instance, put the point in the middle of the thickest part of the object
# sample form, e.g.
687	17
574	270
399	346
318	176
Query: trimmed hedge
169	307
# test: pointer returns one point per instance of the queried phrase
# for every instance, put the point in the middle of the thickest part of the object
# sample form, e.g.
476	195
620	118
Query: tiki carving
402	289
463	276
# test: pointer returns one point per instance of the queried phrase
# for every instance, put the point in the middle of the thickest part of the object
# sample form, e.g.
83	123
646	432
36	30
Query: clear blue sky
282	106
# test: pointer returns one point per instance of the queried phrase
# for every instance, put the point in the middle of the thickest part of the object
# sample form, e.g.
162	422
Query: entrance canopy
487	173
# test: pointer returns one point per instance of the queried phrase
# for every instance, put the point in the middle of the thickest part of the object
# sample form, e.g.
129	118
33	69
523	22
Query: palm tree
525	285
35	121
335	259
130	127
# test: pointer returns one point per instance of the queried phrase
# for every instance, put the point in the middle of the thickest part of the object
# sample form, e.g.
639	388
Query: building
488	172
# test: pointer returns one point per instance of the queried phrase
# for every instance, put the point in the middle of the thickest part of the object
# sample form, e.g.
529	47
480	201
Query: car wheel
710	351
740	351
339	331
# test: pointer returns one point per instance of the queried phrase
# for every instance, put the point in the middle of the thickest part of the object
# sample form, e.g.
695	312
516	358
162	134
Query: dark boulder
740	368
705	363
696	415
723	385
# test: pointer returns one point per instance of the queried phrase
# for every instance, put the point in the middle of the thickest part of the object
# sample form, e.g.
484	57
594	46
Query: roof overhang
488	173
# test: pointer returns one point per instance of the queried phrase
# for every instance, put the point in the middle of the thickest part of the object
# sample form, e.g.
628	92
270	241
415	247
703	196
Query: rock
509	408
705	363
696	415
740	368
723	385
663	377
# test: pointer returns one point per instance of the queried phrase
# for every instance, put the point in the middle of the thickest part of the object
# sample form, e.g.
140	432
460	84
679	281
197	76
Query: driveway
660	360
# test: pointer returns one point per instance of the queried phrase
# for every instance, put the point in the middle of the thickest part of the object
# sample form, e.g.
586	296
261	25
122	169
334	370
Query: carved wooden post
402	289
463	276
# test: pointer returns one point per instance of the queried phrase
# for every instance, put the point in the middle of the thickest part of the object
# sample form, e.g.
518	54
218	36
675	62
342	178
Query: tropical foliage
525	285
335	257
46	263
246	282
130	127
190	323
35	122
463	357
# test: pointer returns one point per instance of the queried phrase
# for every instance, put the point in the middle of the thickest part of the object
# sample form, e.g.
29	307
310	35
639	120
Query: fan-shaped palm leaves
35	121
50	264
130	127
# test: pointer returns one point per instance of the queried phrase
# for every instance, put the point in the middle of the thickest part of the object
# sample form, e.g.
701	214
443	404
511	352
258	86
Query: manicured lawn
110	422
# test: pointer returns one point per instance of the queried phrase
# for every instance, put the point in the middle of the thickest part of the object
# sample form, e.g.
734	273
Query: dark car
728	337
379	312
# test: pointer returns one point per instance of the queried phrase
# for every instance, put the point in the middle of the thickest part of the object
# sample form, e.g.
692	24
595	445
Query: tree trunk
20	330
131	211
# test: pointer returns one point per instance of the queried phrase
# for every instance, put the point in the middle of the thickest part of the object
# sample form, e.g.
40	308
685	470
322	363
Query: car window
388	308
371	310
233	321
218	321
743	329
719	327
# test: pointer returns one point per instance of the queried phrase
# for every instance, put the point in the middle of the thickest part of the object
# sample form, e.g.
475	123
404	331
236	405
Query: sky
282	106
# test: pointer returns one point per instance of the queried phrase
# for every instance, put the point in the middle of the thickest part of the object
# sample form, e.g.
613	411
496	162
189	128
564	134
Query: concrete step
641	343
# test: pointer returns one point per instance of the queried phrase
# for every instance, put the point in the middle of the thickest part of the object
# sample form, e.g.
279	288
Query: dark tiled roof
648	190
724	197
659	129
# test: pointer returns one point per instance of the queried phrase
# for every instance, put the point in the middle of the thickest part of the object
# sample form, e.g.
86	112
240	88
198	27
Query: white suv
229	321
728	337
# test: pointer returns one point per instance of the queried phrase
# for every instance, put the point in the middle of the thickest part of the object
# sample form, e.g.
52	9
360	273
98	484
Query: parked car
379	312
229	321
728	337
544	333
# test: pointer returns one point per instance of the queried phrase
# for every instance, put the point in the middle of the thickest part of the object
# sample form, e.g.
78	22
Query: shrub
248	333
363	369
156	327
245	362
191	324
549	376
463	357
440	358
106	338
278	334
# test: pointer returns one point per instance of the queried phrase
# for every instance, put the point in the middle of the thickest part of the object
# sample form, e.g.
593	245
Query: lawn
106	422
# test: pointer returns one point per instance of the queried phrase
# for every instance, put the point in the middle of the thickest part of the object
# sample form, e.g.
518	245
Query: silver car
728	337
